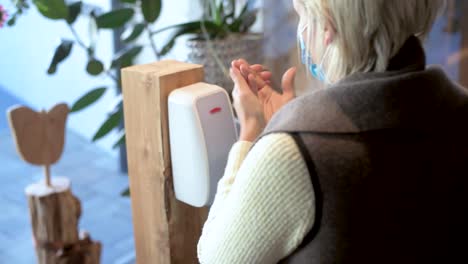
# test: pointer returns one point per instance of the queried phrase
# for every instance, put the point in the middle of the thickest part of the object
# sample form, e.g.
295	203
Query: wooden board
166	230
39	136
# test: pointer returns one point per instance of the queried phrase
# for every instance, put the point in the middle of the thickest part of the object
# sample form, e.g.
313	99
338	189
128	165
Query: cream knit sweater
264	205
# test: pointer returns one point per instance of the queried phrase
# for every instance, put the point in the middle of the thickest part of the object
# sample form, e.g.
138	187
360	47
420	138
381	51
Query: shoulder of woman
275	151
280	142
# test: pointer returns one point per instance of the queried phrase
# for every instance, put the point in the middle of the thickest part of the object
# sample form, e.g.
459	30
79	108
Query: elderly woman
371	169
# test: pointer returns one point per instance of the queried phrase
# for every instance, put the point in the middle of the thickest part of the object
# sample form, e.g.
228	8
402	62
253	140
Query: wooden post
166	230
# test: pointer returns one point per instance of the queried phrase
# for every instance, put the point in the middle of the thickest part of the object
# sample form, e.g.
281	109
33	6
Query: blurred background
28	76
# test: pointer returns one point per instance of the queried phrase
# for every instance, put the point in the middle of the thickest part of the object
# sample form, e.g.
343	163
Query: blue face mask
314	69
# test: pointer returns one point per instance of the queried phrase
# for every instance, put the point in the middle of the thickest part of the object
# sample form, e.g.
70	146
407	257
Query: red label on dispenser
215	110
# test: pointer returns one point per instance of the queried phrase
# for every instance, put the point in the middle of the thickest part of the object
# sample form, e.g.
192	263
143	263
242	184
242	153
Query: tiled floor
96	181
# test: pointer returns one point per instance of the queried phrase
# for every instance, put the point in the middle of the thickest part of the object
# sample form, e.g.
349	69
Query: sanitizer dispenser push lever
202	131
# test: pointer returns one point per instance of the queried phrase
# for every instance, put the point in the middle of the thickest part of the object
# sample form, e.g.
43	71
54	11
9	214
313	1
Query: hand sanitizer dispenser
202	131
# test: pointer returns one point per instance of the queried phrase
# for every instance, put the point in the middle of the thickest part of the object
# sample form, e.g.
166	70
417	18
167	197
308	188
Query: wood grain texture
166	230
39	136
54	219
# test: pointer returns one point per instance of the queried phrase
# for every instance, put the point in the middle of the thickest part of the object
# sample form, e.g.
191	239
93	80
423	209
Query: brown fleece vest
388	159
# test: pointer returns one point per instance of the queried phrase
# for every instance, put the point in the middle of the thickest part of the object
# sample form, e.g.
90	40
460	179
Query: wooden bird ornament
39	136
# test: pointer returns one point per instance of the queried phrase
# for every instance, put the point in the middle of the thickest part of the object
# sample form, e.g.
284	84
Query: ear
330	31
329	34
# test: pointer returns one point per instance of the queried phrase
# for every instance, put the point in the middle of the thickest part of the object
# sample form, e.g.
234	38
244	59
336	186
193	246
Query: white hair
368	32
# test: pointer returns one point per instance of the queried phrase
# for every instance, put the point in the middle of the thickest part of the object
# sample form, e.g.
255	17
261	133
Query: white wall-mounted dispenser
201	133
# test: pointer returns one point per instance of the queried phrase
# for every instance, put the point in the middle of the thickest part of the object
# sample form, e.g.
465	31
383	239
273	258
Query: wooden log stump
54	212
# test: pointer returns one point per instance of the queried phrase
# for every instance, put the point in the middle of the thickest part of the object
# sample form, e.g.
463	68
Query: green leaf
130	35
115	18
128	1
237	23
120	141
125	57
218	16
88	99
125	192
248	20
12	21
53	9
73	12
61	53
189	28
244	9
222	11
168	47
232	5
212	10
113	121
151	10
94	67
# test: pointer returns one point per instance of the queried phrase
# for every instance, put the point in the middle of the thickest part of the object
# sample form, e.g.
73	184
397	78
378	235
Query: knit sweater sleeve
264	206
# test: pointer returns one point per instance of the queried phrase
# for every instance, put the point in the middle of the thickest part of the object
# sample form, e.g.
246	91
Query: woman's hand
259	69
248	107
258	79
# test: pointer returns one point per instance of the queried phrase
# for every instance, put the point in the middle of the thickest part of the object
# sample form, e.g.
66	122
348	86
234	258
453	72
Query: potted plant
222	34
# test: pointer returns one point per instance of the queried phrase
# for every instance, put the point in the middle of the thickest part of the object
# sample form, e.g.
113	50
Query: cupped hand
248	106
258	79
258	69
